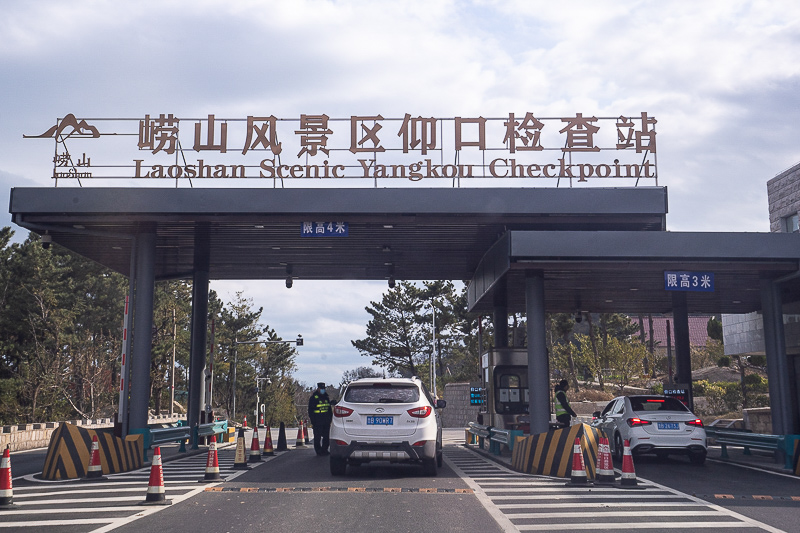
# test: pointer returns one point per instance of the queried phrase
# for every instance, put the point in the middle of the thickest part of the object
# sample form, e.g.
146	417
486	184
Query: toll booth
504	383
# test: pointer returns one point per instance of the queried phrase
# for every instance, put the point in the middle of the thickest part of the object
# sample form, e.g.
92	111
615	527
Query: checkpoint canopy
600	249
531	250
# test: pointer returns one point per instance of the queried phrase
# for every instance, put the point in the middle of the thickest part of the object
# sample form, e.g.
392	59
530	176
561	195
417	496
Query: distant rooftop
698	333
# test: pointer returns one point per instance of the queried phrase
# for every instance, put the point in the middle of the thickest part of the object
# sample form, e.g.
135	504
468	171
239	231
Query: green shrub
725	360
756	383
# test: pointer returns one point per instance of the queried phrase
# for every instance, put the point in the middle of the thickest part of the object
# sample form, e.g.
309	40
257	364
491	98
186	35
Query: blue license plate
668	425
380	420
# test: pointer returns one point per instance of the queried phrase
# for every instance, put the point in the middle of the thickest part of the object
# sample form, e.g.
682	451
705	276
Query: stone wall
30	436
783	192
758	420
458	412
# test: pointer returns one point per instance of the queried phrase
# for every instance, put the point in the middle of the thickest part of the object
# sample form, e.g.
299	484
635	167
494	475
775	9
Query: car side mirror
441	404
596	414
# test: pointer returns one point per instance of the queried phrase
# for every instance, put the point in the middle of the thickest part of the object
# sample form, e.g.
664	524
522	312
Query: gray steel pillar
500	316
197	360
683	352
142	331
784	410
538	379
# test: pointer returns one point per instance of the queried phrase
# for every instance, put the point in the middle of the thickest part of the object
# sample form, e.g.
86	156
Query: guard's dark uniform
320	414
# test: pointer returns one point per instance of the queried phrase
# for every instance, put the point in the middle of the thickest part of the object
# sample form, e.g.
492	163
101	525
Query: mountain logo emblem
72	127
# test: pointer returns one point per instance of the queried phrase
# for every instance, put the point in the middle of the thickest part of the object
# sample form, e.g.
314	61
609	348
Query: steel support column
197	361
538	379
683	352
142	331
781	372
500	316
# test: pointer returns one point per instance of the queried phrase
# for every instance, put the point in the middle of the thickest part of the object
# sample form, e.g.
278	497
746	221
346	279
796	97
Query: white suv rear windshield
382	393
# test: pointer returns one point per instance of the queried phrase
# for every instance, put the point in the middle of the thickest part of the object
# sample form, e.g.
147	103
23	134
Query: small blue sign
688	281
324	229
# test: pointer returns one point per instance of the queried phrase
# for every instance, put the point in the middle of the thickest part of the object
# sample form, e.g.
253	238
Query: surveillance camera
578	317
47	239
289	282
391	283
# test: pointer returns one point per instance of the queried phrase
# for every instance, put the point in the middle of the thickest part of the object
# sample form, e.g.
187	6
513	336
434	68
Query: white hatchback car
654	425
390	419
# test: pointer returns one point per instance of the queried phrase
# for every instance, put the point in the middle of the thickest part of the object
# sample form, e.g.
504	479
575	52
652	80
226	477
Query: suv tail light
696	422
420	412
341	412
633	422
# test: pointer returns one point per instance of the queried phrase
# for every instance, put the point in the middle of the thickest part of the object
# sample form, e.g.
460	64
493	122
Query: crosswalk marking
523	502
83	506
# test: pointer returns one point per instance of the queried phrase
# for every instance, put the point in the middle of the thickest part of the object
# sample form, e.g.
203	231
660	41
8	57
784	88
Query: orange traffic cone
244	425
605	467
300	442
155	487
6	491
628	479
95	470
578	475
240	461
255	448
212	463
268	450
305	432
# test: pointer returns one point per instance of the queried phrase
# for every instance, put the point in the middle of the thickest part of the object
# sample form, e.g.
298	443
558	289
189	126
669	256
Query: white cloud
721	76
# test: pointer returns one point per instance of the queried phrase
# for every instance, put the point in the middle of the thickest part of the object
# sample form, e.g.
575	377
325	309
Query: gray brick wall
458	412
783	192
744	334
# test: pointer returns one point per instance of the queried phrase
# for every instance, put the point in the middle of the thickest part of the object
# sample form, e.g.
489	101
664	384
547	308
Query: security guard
564	412
320	414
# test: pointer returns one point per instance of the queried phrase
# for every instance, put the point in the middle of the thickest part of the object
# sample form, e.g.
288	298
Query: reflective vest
321	405
559	408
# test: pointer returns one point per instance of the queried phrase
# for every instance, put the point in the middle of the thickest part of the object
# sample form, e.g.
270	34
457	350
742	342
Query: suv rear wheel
429	467
338	466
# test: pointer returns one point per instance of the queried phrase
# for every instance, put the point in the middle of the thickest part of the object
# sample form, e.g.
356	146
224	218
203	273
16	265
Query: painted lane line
615	526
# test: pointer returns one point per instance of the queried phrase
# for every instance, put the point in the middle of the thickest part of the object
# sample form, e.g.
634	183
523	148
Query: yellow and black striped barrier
70	448
550	454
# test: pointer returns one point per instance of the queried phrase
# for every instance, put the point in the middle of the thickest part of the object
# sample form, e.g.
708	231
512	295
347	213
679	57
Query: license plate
380	420
668	425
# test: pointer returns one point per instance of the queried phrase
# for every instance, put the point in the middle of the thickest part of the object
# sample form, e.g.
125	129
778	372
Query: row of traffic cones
605	468
155	488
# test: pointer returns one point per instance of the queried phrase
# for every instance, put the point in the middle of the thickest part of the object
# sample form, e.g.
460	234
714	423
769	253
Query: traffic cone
268	450
95	470
578	475
261	423
628	479
240	461
6	491
305	432
605	467
300	442
212	463
255	448
155	487
282	444
244	425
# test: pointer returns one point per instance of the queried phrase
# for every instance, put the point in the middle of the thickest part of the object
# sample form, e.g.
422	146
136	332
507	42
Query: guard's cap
320	385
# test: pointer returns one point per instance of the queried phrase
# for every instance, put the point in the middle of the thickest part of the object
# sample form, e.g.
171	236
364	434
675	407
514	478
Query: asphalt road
762	495
368	498
296	492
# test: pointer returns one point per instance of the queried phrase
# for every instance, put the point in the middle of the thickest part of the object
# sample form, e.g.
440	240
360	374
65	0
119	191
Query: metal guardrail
154	437
497	437
744	439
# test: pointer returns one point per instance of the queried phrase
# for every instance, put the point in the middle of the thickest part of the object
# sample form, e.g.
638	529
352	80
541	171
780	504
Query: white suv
391	419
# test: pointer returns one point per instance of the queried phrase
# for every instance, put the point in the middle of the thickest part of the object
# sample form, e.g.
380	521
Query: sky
722	78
